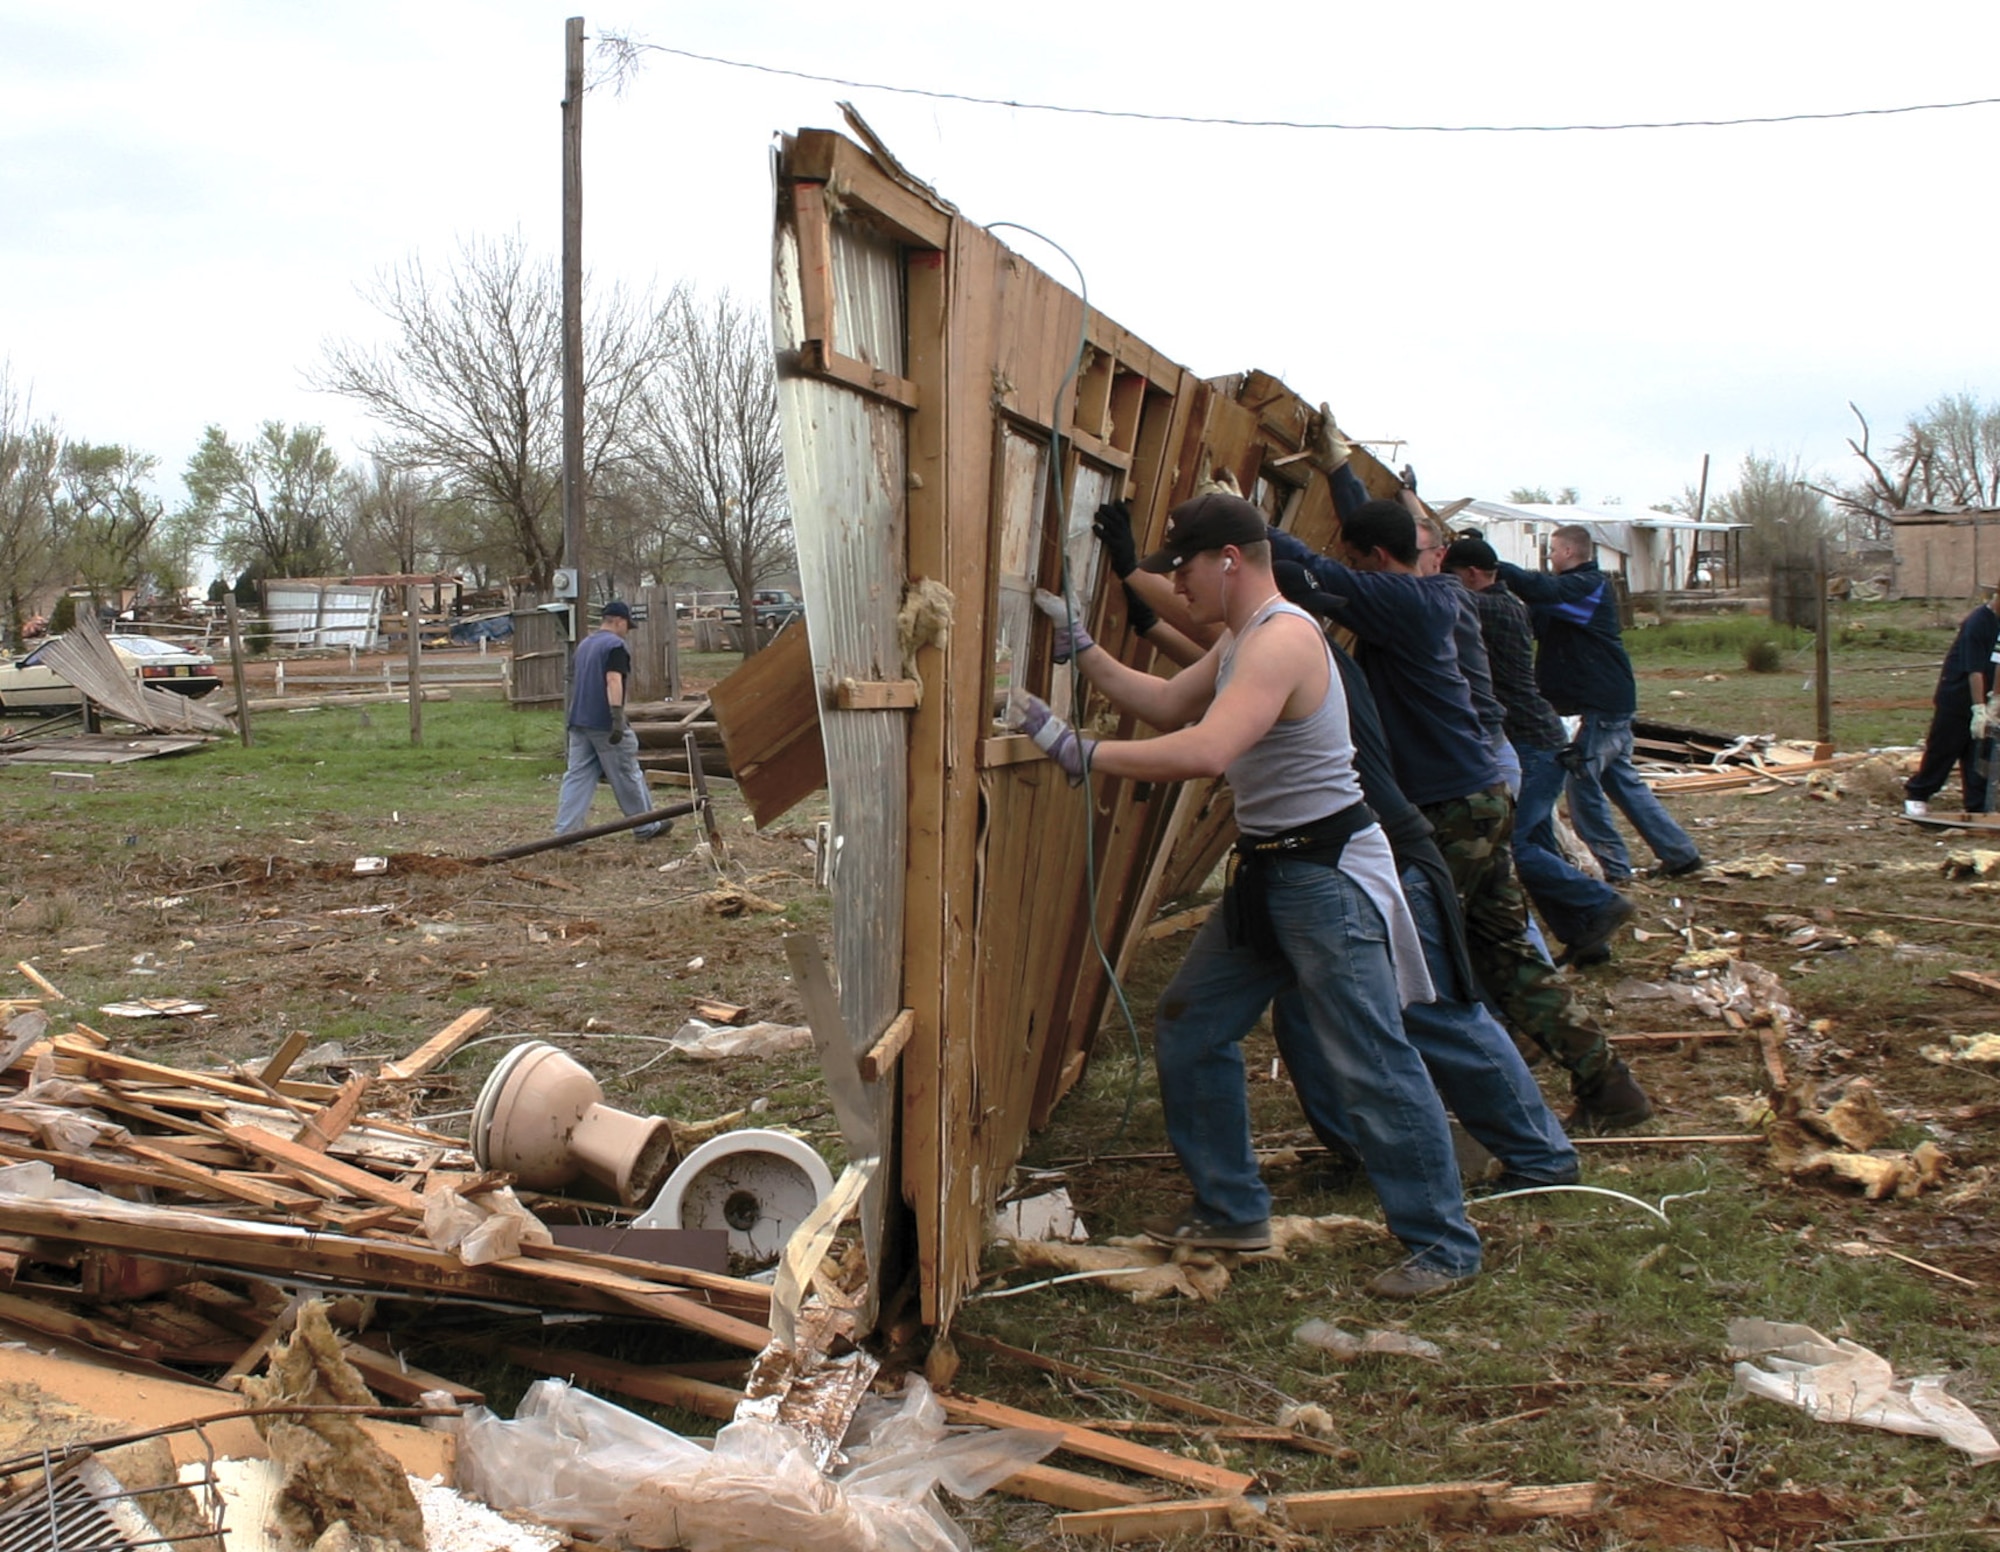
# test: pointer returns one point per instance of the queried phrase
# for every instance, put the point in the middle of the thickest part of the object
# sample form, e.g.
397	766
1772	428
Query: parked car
29	684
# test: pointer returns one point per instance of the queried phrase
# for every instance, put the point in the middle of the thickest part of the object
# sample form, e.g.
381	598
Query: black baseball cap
1207	522
1474	552
617	609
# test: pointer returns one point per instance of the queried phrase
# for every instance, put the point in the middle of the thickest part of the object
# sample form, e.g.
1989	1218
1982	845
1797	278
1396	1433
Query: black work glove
1409	478
1138	611
619	725
1571	759
1113	525
1299	587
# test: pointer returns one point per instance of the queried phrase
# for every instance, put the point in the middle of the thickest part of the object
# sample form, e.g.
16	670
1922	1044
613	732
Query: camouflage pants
1473	833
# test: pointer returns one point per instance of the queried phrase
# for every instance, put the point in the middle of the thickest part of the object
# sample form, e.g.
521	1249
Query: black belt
1246	909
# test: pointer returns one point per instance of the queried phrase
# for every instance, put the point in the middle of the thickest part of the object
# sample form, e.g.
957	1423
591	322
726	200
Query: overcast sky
194	192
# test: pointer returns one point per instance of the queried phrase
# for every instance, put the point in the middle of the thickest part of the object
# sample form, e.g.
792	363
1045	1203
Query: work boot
1414	1280
1694	864
1612	1103
1591	945
1195	1232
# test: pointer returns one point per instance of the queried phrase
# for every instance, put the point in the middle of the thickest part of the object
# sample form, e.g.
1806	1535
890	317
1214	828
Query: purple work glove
1053	736
1071	638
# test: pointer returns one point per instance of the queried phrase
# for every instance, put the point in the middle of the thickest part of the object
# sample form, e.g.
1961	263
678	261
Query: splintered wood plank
36	1315
877	695
289	1050
199	1181
1976	982
1079	1440
318	1166
930	555
93	1169
112	1277
35	978
279	1250
815	265
866	191
440	1045
1060	1489
882	1055
98	1063
389	1374
329	1121
768	710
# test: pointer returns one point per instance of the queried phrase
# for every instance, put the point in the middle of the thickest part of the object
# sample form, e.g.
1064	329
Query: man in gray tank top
1313	908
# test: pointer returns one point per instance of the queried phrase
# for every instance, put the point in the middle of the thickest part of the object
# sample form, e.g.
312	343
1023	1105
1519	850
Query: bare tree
390	519
1947	456
470	387
273	497
711	451
30	451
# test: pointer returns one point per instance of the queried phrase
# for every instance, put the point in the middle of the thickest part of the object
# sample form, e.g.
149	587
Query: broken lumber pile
155	1213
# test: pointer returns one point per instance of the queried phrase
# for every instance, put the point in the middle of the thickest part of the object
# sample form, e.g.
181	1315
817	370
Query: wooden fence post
413	629
236	671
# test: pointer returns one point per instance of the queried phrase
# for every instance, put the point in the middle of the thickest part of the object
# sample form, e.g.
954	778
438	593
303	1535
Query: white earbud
1228	564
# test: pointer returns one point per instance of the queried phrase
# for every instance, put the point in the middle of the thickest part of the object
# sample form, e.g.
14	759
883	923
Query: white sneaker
1916	808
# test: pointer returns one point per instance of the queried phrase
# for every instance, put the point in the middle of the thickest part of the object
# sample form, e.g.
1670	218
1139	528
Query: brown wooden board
769	714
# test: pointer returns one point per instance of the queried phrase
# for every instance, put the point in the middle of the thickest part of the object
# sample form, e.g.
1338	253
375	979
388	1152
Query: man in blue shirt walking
601	743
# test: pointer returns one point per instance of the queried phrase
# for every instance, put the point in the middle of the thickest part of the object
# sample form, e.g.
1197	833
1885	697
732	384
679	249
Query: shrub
1763	656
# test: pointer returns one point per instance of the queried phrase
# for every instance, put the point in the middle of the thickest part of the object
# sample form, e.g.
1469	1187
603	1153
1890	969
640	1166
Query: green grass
1723	637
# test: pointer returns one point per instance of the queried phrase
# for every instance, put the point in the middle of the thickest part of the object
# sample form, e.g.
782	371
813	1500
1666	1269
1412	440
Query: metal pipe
571	837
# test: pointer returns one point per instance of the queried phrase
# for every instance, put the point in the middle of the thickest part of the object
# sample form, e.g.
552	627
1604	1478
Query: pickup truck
776	608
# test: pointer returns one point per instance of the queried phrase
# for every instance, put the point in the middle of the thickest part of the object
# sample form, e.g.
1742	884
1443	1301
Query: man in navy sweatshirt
1582	668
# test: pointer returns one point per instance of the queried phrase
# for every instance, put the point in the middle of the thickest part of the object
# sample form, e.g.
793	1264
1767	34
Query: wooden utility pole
1822	663
572	329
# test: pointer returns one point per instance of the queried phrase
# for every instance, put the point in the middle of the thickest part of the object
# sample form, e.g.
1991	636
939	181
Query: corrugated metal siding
845	470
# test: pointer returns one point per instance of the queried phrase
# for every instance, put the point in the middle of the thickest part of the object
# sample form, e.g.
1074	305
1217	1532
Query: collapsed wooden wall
929	377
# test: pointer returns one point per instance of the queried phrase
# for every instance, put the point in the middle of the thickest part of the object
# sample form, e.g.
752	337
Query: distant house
1653	550
1945	552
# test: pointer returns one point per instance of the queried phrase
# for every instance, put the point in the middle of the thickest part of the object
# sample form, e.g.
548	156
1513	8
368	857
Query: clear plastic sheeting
608	1475
1844	1382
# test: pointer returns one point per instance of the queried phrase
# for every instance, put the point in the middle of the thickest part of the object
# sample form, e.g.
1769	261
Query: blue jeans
1355	1070
1567	899
592	752
1474	1062
1470	1058
1607	777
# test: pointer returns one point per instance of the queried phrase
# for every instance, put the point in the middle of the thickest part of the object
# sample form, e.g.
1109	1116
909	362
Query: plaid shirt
1510	648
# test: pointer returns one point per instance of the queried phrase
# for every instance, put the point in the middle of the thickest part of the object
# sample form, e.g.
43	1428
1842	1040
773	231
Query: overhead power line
627	46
